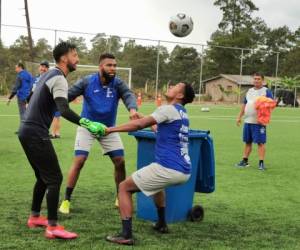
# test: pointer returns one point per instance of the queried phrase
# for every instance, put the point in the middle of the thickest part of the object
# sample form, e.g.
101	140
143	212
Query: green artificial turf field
249	209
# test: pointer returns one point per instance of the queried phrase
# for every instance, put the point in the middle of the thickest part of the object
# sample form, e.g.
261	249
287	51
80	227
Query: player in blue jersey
172	164
101	94
21	88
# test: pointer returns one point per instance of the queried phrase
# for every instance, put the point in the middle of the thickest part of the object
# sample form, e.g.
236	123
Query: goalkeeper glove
96	128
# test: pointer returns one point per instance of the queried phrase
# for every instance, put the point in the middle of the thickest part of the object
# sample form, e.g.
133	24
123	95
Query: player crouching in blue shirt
172	164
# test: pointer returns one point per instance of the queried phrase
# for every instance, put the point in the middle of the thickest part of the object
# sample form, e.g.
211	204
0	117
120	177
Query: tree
237	29
236	14
99	46
142	60
43	50
82	49
184	65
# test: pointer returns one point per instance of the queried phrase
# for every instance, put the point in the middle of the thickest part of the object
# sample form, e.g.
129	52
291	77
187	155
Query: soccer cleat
120	239
54	232
117	203
161	228
65	207
40	221
242	164
261	166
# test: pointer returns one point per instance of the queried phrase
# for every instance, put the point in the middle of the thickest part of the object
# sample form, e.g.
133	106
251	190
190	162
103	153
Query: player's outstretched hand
238	121
8	102
96	128
134	115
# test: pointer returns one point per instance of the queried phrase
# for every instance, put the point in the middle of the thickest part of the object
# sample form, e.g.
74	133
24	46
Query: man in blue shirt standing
101	93
172	164
253	132
21	88
43	68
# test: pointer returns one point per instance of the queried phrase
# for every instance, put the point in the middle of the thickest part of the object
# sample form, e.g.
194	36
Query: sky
132	18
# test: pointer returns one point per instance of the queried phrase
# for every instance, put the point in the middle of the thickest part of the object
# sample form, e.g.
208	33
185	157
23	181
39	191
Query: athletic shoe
53	232
160	228
117	203
120	239
261	166
40	221
65	207
242	164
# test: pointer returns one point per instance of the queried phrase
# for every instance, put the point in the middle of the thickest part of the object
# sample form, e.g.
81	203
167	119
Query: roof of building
246	80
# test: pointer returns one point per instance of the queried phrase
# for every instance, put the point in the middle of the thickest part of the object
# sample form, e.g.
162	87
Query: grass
249	209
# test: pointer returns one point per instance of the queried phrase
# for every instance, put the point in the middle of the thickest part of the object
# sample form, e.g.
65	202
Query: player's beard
71	67
108	77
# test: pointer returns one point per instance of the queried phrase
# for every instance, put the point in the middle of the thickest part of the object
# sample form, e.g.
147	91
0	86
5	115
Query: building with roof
228	88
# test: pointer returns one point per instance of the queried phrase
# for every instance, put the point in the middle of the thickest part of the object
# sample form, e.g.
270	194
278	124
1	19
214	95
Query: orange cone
139	99
158	100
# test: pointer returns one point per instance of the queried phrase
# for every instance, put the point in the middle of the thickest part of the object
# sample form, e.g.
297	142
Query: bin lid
147	133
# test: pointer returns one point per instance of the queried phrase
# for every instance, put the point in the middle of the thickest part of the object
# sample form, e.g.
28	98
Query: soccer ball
181	25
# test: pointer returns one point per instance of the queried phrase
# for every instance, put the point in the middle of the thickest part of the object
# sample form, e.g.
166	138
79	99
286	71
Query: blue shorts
57	114
255	133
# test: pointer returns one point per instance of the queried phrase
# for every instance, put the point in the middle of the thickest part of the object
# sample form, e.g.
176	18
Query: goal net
83	70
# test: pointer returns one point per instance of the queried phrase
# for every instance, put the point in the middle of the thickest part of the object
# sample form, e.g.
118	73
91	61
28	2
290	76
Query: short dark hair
20	65
45	63
259	74
189	94
61	49
106	55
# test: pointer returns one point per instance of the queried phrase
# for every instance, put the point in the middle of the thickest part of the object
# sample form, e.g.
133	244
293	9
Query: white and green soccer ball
181	25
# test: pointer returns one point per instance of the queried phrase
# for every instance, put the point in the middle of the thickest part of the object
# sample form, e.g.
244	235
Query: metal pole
201	72
276	73
157	69
109	44
241	73
295	96
129	78
30	41
55	37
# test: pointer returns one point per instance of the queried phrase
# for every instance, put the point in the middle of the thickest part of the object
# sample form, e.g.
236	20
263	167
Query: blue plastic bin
179	199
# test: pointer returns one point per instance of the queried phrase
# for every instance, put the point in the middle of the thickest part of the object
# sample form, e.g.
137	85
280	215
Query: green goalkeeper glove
96	128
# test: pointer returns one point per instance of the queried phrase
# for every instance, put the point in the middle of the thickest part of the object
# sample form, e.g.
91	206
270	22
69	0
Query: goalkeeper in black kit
50	95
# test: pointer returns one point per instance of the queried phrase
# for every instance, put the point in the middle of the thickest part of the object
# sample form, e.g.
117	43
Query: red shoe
58	231
40	221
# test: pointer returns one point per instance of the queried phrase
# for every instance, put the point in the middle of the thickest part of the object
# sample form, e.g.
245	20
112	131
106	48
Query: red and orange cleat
53	232
40	221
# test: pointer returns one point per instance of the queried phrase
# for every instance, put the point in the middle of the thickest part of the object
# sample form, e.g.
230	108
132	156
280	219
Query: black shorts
42	158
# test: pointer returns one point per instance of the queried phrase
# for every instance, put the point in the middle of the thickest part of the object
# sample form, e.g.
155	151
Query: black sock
52	201
261	162
52	223
68	194
161	216
35	214
127	228
245	159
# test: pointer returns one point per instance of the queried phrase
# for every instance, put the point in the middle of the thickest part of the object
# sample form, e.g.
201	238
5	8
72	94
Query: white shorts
154	178
111	144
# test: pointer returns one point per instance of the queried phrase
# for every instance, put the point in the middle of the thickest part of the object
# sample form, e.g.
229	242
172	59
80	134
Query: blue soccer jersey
171	149
100	101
